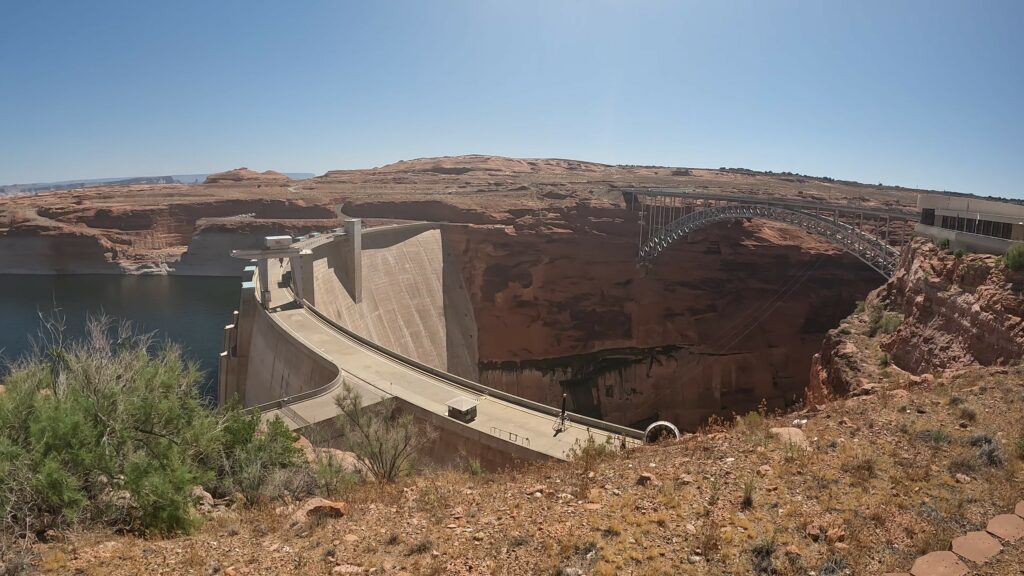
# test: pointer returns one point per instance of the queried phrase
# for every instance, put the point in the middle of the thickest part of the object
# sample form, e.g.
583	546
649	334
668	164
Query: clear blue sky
917	93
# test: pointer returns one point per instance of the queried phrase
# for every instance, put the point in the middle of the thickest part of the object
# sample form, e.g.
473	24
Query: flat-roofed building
971	223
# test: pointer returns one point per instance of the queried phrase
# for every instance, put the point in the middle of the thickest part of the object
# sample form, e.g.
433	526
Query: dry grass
879	477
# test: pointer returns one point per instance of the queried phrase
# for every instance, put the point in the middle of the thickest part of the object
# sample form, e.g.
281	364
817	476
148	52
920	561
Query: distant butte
244	174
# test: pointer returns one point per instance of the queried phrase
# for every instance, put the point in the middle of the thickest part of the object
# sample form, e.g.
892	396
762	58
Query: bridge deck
377	376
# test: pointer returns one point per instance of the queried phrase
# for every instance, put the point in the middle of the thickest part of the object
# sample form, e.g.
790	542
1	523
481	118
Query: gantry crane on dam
875	235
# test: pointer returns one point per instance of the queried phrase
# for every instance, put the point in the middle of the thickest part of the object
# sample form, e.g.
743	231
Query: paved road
377	376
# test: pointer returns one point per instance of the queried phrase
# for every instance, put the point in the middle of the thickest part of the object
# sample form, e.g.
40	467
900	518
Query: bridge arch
871	250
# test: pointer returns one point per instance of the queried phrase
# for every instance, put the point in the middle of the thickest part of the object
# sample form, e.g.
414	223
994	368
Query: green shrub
1015	257
881	321
474	468
386	442
936	437
889	322
960	253
113	428
944	244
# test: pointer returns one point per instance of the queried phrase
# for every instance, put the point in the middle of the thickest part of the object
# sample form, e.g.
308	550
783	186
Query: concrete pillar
307	284
354	259
295	264
264	272
238	366
224	382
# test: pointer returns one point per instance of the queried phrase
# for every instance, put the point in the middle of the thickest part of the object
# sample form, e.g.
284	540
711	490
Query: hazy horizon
916	93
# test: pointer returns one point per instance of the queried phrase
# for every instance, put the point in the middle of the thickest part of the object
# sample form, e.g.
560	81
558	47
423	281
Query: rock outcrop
952	312
958	311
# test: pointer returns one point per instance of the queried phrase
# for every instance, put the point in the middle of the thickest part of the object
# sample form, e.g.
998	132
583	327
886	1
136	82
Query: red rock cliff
721	320
947	312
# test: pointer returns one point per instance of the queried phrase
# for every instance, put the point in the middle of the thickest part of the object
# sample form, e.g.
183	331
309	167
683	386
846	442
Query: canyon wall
947	313
729	316
958	311
42	250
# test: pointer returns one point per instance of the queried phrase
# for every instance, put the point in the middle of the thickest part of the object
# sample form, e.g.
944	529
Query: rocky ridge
940	311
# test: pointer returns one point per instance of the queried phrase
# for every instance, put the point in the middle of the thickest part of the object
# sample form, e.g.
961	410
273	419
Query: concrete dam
386	311
514	323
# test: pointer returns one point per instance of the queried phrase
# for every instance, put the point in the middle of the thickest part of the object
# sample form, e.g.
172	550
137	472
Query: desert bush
250	457
834	565
331	476
989	452
969	414
1020	445
935	437
889	322
944	244
112	428
591	451
473	467
761	556
748	493
861	465
386	442
1015	257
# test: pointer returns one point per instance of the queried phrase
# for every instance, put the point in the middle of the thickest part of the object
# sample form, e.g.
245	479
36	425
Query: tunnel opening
726	321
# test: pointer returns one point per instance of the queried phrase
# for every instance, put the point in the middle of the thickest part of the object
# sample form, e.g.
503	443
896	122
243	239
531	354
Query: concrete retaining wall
455	445
280	366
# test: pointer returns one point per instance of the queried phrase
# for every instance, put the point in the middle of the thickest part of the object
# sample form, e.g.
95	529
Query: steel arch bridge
874	236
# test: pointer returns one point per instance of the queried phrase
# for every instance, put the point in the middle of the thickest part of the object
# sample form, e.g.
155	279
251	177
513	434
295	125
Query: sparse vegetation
989	452
473	467
889	322
968	414
1015	257
881	321
761	554
748	493
386	441
935	437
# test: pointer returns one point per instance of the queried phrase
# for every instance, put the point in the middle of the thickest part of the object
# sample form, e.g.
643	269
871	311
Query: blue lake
189	310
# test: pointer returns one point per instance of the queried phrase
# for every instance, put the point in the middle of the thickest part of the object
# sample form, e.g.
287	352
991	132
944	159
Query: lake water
189	310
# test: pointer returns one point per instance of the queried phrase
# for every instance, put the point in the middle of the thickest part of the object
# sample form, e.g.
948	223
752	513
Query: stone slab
977	546
1009	527
939	564
790	436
